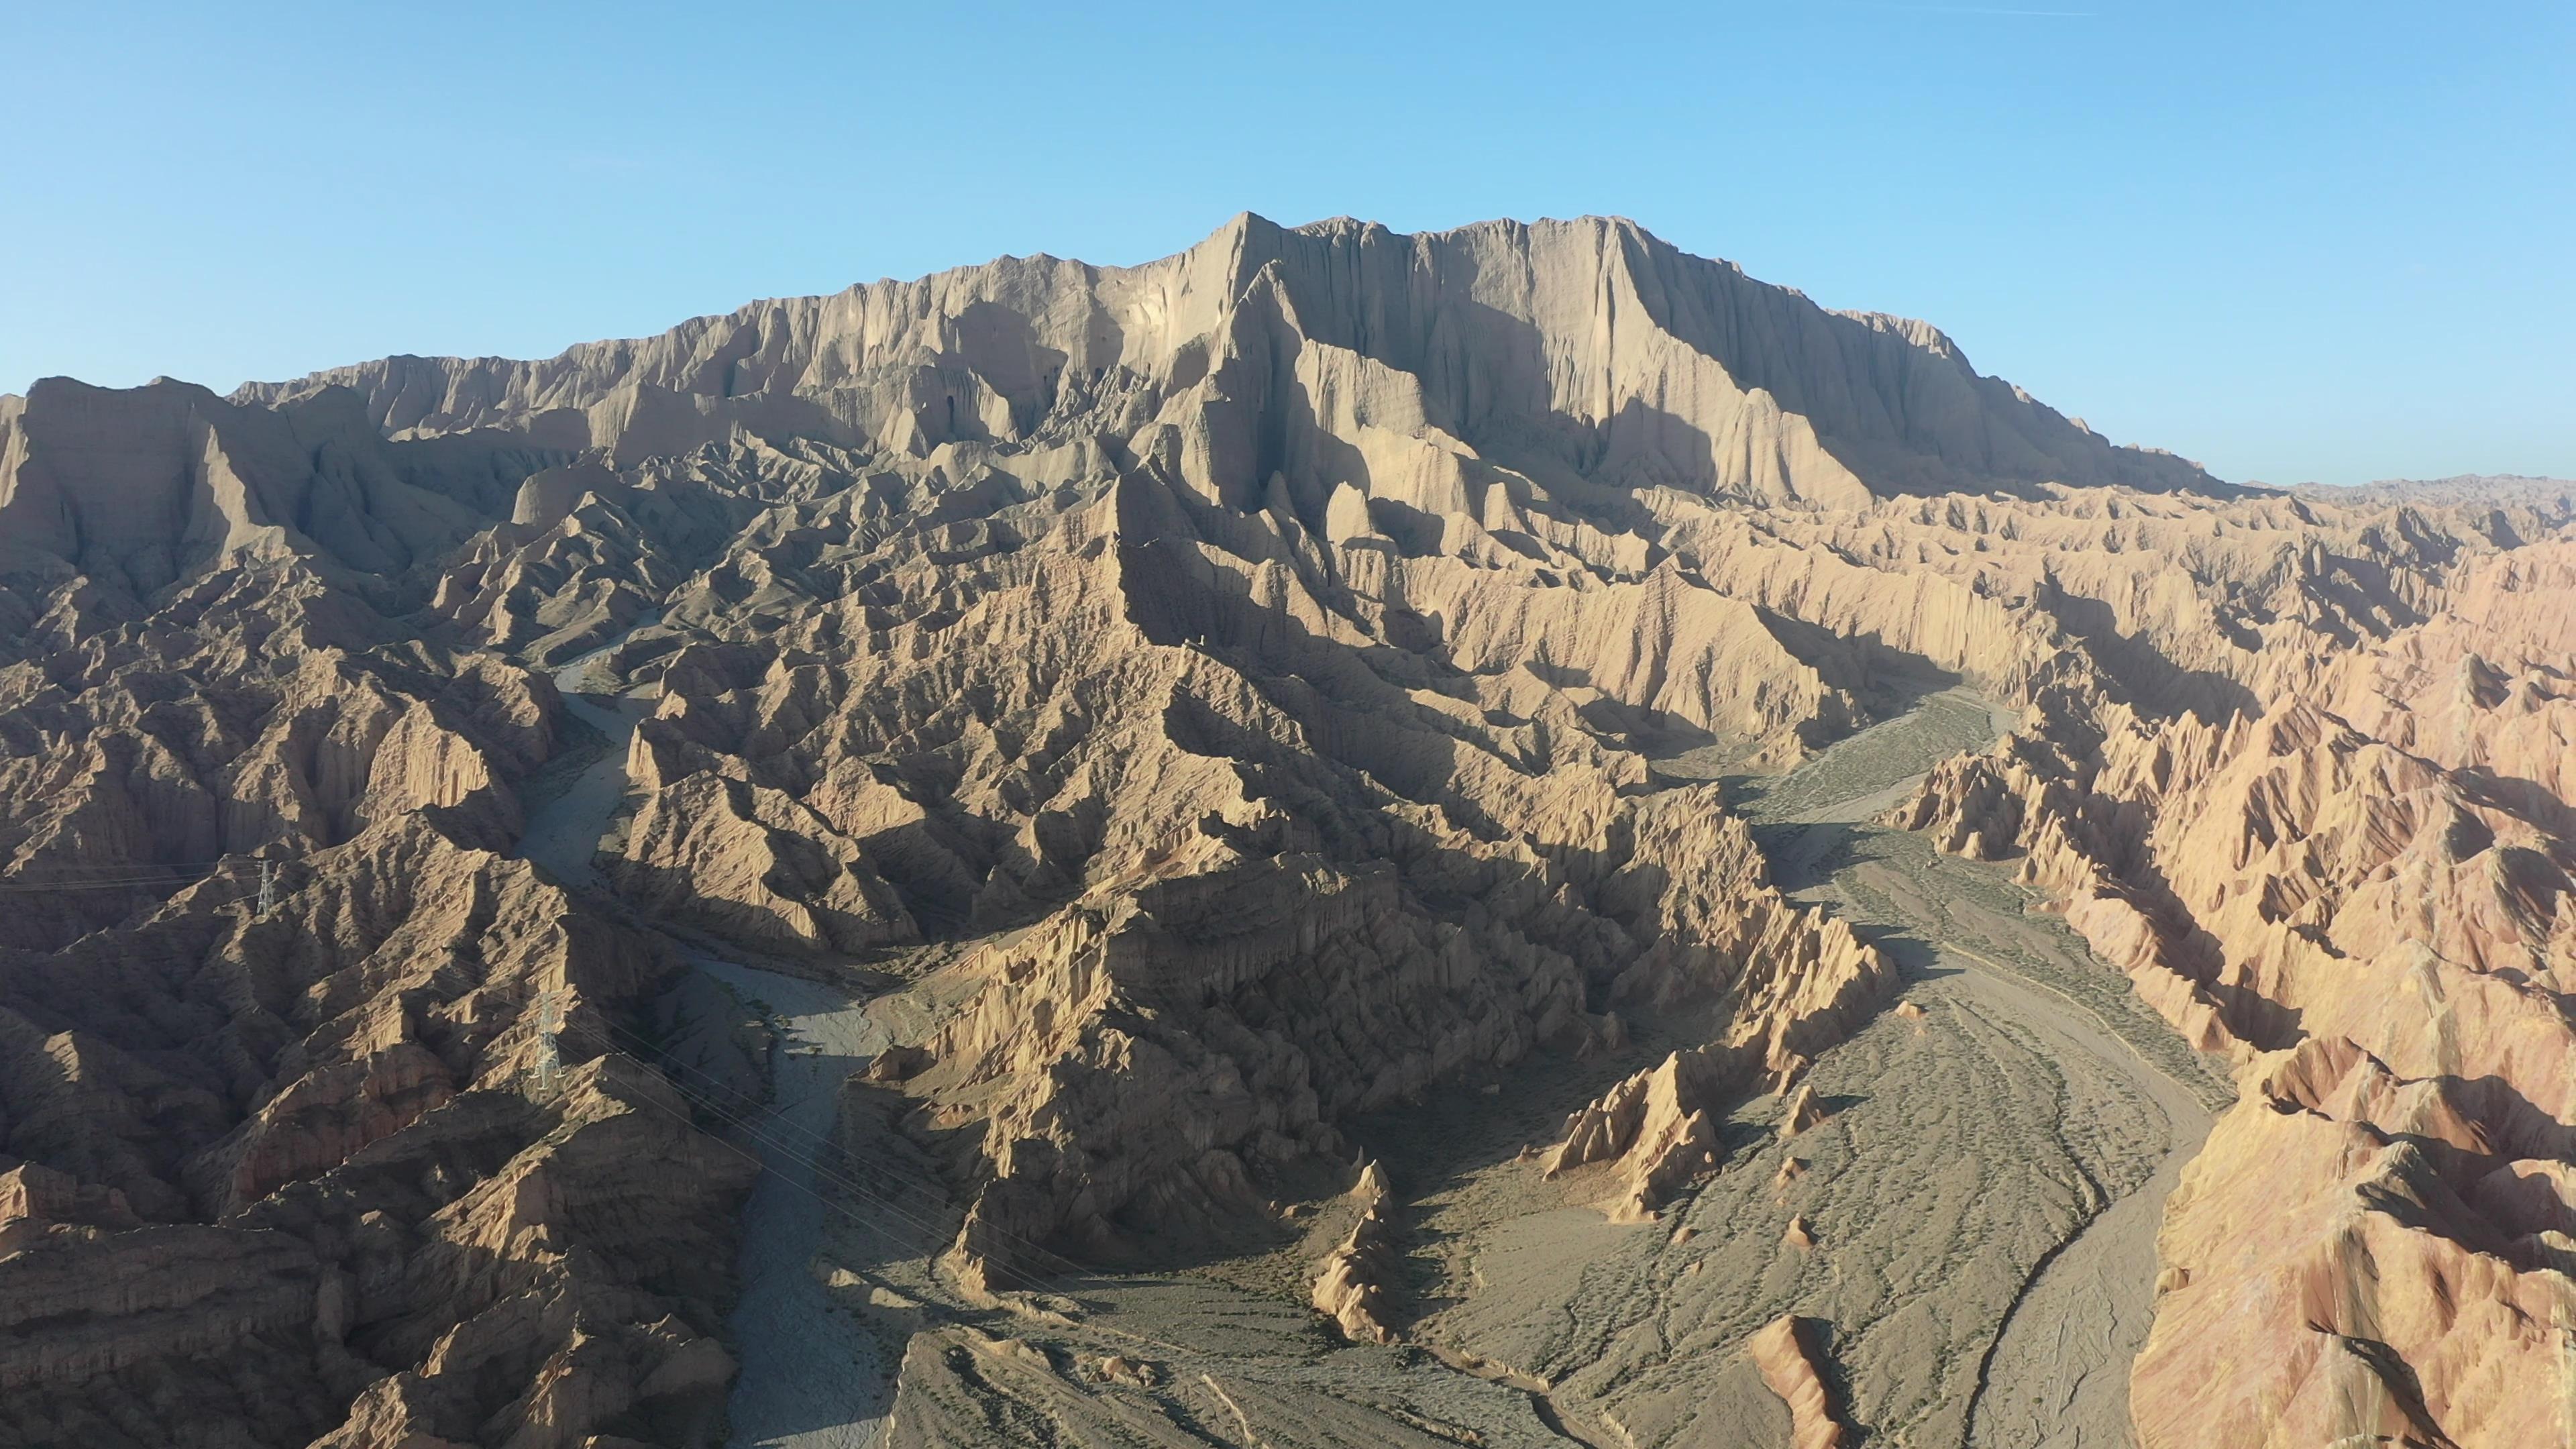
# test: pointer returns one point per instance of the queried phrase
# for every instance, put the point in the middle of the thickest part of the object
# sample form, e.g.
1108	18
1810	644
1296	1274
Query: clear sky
2294	241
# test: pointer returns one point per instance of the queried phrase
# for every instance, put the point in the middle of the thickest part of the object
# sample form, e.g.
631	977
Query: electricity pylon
548	1069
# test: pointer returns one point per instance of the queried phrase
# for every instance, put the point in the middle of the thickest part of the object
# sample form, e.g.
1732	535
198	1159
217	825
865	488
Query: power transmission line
821	1142
549	1064
129	875
756	1132
91	885
122	867
931	1233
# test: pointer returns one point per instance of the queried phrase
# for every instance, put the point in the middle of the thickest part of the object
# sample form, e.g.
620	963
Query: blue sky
2294	241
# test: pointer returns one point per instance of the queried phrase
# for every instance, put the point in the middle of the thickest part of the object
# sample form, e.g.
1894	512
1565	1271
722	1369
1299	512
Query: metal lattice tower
549	1064
267	888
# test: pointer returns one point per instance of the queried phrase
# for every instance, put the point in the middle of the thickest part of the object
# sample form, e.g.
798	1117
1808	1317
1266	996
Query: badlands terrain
1498	838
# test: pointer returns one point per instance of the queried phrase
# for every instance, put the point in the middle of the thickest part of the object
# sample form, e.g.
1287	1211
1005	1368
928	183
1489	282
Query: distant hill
2459	489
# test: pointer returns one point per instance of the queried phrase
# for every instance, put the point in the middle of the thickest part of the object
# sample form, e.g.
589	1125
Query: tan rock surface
1226	706
1786	1353
2362	871
272	1159
2383	1300
1352	1282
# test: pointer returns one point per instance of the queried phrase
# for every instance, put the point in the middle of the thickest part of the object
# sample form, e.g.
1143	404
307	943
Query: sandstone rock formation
1351	1283
1235	699
1786	1353
2357	881
2403	1266
283	1179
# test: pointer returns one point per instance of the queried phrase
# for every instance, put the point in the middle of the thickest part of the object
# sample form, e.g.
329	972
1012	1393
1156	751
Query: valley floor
2104	1105
811	1377
1982	1198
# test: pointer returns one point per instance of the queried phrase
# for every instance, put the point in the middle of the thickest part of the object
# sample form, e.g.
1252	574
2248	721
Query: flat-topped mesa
1585	346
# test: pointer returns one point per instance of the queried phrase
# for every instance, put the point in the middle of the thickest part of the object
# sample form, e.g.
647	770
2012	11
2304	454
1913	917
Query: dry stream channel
2072	1106
811	1377
1983	1197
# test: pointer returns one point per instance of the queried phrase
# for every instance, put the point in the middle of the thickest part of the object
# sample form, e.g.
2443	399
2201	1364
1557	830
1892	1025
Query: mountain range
1492	837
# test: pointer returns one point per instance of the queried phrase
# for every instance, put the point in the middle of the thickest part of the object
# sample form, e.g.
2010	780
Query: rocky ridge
2357	885
1230	697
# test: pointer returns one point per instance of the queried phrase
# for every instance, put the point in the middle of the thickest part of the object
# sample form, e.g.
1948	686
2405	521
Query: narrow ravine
562	832
810	1377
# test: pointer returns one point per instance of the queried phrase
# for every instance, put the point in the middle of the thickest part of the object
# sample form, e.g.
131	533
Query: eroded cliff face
2356	883
1232	696
279	1175
273	1158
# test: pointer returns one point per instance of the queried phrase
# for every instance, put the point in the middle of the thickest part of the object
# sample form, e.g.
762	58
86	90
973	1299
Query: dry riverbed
1982	1197
811	1377
1981	1202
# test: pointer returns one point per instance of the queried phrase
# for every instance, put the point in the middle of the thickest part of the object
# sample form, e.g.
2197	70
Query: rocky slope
1223	704
2357	884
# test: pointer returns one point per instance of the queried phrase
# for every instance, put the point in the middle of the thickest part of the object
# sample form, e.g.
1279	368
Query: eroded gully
810	1377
